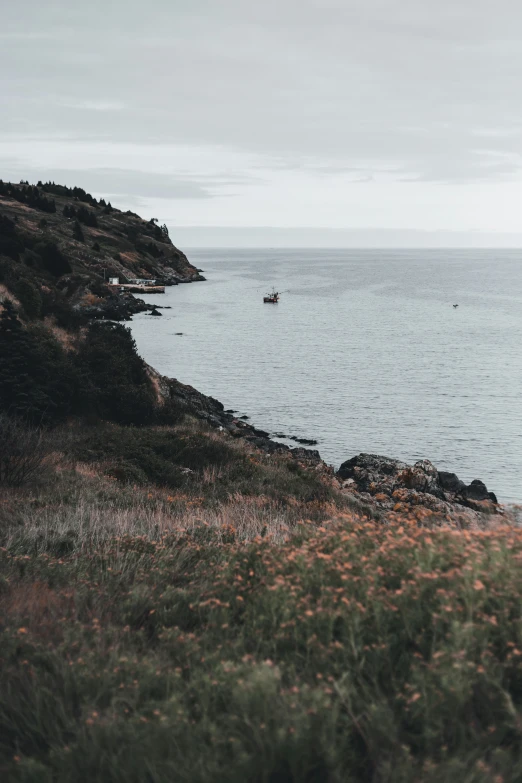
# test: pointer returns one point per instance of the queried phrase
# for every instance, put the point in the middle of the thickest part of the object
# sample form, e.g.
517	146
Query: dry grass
88	508
349	651
6	294
193	634
66	339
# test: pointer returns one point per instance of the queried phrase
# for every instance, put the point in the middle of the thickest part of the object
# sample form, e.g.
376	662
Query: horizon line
353	247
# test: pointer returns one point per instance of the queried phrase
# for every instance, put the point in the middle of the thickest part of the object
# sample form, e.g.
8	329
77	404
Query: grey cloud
403	85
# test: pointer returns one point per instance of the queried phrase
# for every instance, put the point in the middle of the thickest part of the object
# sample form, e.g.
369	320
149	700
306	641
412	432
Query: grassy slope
150	636
246	624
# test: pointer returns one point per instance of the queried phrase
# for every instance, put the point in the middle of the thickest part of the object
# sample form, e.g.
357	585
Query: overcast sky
371	117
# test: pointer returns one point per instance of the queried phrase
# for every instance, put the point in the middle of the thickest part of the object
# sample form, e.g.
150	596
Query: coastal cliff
67	245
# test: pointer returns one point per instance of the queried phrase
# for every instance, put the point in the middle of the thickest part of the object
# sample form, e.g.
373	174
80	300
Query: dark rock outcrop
477	490
115	307
393	484
450	482
304	441
365	466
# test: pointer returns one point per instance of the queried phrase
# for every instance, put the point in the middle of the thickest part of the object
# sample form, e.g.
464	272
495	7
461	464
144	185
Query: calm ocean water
364	352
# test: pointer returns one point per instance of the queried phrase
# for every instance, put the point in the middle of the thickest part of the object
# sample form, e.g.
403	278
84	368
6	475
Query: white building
141	281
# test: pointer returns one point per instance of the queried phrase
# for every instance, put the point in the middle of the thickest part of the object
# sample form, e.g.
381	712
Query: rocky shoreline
380	485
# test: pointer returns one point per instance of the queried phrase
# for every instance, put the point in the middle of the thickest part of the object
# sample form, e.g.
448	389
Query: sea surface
364	352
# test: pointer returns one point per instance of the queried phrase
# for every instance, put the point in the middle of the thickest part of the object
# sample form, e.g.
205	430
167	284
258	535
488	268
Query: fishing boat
272	298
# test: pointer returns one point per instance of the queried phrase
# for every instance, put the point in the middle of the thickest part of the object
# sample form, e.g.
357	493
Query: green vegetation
27	194
23	453
82	214
77	231
104	378
191	456
29	297
53	259
76	193
139	645
115	384
36	375
10	244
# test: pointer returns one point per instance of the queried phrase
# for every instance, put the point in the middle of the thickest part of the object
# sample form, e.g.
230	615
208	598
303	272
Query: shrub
82	214
52	257
158	454
353	652
114	378
171	412
36	378
150	248
77	193
87	217
127	472
41	383
27	194
56	303
29	297
10	243
77	232
22	454
31	259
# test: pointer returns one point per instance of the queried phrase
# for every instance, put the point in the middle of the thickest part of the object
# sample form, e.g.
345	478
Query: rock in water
450	482
477	490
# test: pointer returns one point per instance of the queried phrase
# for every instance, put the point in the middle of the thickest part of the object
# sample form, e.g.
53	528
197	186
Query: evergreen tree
29	297
10	243
53	259
36	379
114	381
77	232
86	217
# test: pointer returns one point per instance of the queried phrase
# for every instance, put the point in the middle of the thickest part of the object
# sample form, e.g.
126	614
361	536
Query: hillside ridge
66	241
